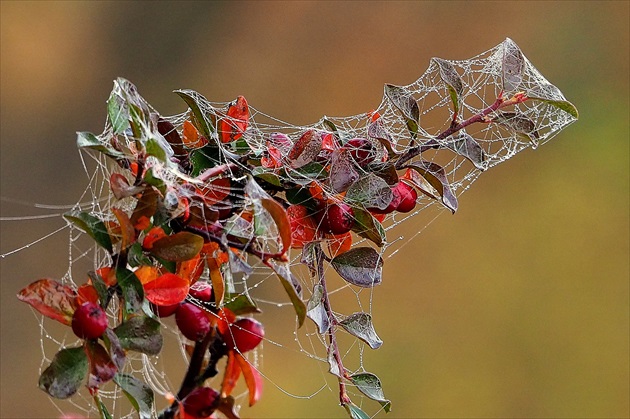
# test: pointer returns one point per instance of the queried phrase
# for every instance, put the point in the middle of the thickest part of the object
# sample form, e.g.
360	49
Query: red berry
408	196
339	218
201	290
192	321
201	402
89	321
245	334
361	150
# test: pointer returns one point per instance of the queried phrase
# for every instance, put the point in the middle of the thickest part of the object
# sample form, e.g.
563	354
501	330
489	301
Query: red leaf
252	379
191	269
234	125
127	230
152	236
231	375
305	149
51	298
303	227
166	290
102	368
215	191
87	292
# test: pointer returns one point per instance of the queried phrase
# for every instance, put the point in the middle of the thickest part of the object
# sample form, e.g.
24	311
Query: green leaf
291	286
116	351
204	158
93	226
155	149
361	266
139	394
88	140
315	309
118	113
355	412
241	304
435	175
403	100
195	101
131	289
370	385
360	325
564	105
178	247
136	256
101	288
140	333
452	80
63	377
365	225
512	65
371	191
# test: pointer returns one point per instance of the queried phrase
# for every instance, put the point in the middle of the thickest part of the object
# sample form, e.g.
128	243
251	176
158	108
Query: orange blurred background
517	306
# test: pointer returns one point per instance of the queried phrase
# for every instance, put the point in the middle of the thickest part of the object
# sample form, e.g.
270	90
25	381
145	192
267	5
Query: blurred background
517	306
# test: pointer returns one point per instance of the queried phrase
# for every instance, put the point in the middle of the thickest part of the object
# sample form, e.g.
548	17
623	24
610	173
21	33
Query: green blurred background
518	306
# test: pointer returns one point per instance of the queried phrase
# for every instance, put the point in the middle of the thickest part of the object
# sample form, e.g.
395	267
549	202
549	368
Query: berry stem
343	395
499	103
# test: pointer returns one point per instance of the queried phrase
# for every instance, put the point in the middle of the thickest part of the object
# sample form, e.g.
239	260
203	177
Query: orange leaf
191	137
51	298
217	280
338	244
108	275
231	375
87	292
303	227
252	379
126	228
190	269
145	208
147	274
152	236
166	290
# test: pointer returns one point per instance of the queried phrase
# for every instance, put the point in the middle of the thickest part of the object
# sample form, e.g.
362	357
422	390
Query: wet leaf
120	186
355	411
386	171
291	286
371	191
51	298
315	309
118	113
132	290
241	304
196	102
140	333
92	225
166	290
305	149
63	377
92	142
370	385
452	80
360	325
412	177
377	131
232	127
520	124
403	100
435	175
342	171
564	105
178	247
116	351
155	148
361	266
218	285
102	368
513	64
216	190
368	227
100	286
252	379
138	393
468	147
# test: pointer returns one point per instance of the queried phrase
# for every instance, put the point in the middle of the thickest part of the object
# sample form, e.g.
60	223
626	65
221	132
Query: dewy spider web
457	120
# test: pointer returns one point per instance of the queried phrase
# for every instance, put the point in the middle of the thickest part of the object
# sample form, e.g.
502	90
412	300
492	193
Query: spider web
469	86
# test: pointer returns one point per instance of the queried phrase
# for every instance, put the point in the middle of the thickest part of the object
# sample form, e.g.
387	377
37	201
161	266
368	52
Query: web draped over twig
460	118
